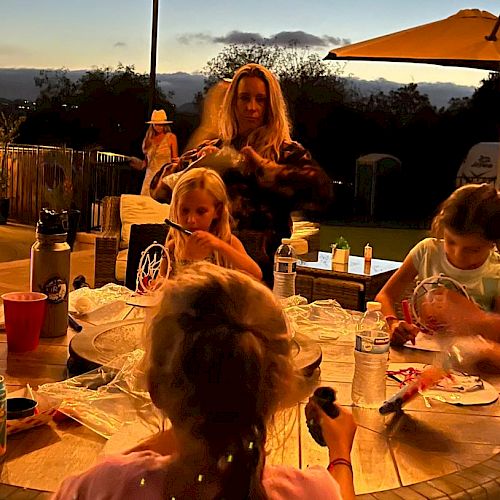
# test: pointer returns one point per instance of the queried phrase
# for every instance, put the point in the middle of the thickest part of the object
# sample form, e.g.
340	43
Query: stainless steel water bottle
50	269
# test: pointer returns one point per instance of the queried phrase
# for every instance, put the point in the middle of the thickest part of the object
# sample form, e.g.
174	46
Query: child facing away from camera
464	246
219	366
201	205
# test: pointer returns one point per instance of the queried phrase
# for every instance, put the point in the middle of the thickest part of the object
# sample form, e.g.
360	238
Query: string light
200	478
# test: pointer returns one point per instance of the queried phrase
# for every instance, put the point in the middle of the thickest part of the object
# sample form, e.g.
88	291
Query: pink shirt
142	475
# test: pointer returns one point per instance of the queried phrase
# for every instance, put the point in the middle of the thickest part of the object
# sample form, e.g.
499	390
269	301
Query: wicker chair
107	244
349	294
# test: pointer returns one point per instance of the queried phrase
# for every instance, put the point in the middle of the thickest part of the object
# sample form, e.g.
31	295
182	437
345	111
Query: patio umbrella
468	39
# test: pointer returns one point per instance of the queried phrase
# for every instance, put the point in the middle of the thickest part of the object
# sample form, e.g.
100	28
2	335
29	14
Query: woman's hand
402	332
201	244
264	168
207	150
338	433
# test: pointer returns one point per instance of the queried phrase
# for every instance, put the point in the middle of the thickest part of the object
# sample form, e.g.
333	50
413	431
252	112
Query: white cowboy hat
159	117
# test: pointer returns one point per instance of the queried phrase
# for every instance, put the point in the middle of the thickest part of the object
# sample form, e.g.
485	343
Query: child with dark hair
220	367
464	246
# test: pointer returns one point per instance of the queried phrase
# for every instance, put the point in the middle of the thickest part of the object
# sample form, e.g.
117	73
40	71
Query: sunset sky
88	33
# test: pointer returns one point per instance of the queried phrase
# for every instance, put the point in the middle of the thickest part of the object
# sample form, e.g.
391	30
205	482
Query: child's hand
448	310
338	433
402	332
201	244
206	240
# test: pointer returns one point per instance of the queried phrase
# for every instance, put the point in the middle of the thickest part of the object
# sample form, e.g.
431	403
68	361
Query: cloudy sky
80	34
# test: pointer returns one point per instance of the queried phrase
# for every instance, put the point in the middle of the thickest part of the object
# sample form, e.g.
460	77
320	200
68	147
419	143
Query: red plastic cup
24	315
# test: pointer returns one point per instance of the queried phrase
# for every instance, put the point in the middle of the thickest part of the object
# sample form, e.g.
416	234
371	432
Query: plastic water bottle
50	269
285	270
371	355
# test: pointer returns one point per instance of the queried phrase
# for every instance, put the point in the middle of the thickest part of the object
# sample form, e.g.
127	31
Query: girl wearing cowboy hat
159	147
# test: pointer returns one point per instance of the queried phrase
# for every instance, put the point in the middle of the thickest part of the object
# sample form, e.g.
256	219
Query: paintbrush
178	227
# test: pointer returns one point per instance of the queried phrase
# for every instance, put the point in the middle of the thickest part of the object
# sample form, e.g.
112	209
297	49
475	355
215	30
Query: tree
104	109
296	68
484	106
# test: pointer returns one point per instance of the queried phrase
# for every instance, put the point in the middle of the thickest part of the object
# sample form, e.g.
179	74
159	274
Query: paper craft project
459	389
425	342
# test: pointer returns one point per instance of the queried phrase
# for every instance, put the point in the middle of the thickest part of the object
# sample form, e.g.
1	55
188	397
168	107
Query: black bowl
20	408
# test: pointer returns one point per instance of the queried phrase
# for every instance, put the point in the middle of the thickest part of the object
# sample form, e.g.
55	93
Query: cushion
121	265
137	209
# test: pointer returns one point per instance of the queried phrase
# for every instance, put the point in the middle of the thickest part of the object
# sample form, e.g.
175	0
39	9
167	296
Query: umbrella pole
492	37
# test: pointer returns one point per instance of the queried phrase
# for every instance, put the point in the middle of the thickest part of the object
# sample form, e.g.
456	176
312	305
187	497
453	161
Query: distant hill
439	93
20	84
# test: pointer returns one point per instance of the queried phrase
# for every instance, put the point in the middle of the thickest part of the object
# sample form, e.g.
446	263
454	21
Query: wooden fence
63	178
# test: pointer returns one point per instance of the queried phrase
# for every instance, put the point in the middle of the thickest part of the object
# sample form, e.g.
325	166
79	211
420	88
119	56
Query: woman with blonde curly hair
266	173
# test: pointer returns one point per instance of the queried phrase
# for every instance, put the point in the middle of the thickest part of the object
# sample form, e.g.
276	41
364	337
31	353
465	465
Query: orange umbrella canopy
468	38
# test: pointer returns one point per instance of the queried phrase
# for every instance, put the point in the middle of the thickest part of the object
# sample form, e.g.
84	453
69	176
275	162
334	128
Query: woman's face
251	104
466	251
159	129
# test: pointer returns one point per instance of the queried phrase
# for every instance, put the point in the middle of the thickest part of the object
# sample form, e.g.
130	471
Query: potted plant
340	251
8	132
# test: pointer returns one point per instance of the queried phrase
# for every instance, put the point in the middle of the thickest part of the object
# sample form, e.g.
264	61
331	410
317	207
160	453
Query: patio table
351	284
439	452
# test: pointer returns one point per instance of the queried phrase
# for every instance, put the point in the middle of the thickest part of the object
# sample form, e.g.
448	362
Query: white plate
481	397
144	300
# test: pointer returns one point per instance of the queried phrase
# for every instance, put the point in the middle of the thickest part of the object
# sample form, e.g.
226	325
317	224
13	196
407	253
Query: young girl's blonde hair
211	182
471	209
150	133
219	366
267	139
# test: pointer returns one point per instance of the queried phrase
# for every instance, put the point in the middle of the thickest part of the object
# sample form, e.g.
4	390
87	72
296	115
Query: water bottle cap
52	222
373	306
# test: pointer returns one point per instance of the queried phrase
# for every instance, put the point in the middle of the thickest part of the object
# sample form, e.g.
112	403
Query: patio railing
45	176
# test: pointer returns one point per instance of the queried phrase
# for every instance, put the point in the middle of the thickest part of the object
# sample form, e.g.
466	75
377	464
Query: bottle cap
373	306
52	222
